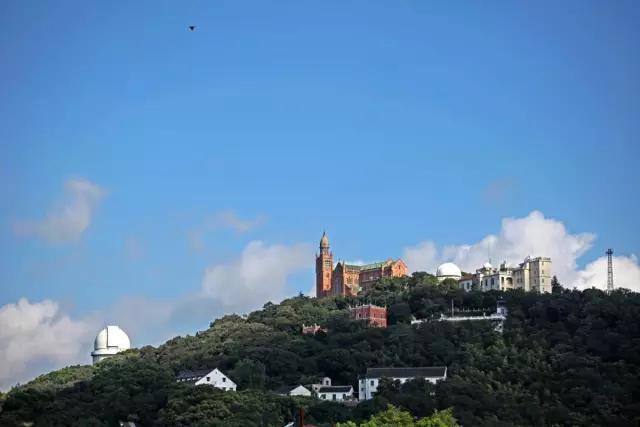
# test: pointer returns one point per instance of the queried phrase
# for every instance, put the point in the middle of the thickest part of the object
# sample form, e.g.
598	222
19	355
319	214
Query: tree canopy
564	358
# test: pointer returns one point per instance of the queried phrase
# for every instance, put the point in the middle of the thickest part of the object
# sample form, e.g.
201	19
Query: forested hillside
567	358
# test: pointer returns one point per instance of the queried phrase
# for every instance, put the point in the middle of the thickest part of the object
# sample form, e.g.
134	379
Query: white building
368	383
298	390
336	393
109	341
533	274
448	270
326	381
213	378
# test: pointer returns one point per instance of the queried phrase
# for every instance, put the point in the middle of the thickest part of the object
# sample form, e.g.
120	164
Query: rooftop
192	375
423	371
335	389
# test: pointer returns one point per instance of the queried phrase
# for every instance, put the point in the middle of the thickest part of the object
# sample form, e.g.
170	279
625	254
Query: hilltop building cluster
349	279
533	274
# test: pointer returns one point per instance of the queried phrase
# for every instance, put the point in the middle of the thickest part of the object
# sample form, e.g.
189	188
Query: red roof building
374	315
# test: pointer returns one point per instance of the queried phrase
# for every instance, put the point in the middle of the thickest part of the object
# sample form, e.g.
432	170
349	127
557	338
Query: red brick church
347	279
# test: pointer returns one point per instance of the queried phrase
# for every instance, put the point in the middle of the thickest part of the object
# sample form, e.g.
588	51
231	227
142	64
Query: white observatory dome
448	270
487	265
109	341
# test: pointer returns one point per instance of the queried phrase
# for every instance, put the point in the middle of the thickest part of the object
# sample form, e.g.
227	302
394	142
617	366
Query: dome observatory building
109	341
448	270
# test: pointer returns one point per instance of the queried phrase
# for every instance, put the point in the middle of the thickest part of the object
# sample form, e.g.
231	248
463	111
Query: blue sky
386	123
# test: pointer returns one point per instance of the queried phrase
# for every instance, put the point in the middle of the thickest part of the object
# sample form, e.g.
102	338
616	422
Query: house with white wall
335	393
295	390
368	383
213	378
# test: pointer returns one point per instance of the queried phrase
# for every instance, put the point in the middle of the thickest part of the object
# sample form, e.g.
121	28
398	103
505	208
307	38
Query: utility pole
609	270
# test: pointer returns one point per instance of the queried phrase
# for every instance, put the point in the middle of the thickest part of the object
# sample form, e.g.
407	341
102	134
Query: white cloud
518	237
70	218
626	273
226	219
37	336
259	275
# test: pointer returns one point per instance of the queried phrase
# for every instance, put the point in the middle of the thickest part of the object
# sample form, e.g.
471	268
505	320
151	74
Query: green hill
568	358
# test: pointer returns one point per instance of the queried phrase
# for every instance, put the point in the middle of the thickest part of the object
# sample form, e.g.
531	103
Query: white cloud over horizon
37	336
259	275
533	235
69	218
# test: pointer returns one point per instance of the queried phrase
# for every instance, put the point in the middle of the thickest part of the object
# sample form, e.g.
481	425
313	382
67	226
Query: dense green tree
567	358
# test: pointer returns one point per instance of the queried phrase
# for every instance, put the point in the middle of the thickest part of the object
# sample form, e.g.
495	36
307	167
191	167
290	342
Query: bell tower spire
324	268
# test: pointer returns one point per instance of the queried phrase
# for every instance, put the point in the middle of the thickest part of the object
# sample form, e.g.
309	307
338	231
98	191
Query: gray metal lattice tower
610	270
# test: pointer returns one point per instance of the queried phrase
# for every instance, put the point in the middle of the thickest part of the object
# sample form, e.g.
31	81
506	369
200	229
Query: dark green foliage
567	358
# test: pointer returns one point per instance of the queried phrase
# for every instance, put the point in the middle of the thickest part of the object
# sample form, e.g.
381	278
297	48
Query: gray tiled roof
423	372
192	375
335	389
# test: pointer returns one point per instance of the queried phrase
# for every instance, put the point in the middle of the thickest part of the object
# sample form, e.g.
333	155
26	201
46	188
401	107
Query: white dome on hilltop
109	341
448	270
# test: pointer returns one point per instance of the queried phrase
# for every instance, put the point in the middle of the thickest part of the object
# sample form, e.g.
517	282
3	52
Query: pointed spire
324	241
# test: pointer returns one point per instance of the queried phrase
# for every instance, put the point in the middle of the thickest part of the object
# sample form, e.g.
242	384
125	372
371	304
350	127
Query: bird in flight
192	27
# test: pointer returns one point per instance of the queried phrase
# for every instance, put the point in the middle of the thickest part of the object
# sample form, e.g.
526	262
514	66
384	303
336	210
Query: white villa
336	393
533	274
213	378
368	383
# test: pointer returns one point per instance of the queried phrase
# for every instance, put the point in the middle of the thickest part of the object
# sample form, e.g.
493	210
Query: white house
213	378
337	393
298	390
325	381
368	383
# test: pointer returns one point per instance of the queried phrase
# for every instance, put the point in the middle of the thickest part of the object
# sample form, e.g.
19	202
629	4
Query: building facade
374	315
533	274
349	279
336	393
213	378
368	383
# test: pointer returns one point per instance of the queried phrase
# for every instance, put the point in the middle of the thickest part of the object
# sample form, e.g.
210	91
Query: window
224	380
323	396
492	281
344	396
371	382
208	379
333	396
542	280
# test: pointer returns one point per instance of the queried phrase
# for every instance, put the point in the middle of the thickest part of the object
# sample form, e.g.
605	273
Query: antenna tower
609	270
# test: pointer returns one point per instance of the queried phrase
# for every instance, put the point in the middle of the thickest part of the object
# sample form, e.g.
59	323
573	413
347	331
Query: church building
348	279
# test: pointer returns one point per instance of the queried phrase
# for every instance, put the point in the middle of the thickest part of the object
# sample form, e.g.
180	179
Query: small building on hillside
213	378
336	393
368	383
110	341
326	381
312	329
295	390
374	315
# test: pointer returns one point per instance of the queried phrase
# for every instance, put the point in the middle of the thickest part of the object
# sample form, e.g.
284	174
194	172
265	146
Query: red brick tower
324	268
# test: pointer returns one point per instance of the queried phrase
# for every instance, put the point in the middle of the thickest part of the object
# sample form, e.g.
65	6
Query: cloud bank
69	218
531	235
37	336
259	275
